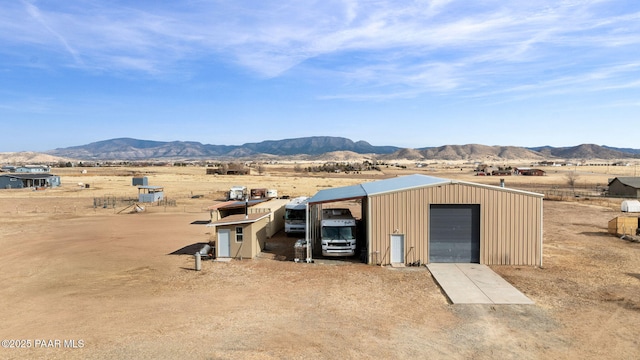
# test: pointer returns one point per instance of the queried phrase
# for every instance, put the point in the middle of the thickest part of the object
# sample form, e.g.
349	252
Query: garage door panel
454	233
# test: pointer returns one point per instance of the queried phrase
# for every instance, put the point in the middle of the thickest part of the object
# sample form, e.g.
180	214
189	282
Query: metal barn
627	187
424	219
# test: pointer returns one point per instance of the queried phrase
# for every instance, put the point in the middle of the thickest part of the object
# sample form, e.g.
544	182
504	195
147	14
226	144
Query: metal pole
307	230
198	261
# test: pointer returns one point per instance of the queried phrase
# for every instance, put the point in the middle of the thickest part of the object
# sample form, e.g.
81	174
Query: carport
419	219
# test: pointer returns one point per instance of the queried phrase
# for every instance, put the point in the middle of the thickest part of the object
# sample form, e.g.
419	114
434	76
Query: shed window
239	236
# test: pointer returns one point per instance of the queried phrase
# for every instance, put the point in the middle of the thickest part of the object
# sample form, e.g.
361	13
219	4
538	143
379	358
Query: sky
401	73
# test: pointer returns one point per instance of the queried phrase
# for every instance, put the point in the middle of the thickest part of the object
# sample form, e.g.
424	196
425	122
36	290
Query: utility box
300	250
140	181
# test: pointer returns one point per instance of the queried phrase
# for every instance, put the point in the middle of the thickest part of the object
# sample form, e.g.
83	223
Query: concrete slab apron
475	284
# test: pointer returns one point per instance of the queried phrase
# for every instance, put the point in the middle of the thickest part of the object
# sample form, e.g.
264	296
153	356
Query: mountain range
317	146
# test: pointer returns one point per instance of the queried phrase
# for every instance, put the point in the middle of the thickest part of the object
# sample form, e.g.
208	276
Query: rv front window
337	233
294	214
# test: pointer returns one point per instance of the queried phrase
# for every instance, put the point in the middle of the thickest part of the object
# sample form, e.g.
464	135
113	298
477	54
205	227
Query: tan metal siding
510	222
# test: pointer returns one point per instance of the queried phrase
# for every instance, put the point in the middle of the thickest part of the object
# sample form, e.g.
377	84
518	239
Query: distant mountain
624	150
133	149
478	152
586	151
317	146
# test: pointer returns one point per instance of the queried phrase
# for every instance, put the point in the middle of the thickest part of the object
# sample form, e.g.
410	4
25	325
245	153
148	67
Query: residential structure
529	171
20	181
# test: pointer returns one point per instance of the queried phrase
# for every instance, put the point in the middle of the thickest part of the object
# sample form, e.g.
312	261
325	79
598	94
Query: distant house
628	187
501	173
525	171
485	170
230	169
21	181
32	169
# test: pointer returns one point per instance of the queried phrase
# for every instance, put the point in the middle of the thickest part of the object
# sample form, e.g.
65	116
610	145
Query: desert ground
82	281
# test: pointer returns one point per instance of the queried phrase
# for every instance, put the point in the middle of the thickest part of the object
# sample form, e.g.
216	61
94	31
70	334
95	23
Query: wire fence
114	202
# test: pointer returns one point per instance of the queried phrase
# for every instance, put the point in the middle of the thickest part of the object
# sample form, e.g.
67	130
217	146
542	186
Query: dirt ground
106	284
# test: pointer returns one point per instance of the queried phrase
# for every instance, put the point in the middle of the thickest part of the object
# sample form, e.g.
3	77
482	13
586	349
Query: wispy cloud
396	48
35	14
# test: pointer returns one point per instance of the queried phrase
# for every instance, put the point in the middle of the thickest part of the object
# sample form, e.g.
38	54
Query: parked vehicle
338	232
295	216
237	193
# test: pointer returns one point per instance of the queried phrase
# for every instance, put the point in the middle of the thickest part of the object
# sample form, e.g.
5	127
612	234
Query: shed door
454	235
397	249
224	243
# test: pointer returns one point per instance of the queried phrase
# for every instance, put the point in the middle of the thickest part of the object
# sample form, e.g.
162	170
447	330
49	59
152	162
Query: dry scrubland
70	271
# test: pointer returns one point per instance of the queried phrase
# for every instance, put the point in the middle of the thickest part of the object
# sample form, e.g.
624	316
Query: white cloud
397	47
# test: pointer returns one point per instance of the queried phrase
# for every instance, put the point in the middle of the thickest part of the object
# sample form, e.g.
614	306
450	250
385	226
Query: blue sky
402	73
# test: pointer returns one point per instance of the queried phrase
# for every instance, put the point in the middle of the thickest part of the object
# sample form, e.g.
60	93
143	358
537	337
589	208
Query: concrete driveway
475	284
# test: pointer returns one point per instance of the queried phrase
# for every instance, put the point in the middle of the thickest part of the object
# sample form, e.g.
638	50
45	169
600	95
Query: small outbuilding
628	187
140	181
275	208
630	206
624	225
149	194
419	219
241	236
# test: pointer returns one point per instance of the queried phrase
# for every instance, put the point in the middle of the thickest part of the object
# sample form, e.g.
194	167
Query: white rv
338	228
295	215
237	193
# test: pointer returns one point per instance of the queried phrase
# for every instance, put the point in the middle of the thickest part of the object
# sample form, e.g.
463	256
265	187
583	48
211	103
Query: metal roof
376	187
239	219
629	181
341	193
28	175
394	184
402	183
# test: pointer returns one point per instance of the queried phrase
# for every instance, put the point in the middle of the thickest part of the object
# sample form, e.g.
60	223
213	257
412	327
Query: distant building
501	173
149	194
628	187
140	181
21	181
525	171
32	169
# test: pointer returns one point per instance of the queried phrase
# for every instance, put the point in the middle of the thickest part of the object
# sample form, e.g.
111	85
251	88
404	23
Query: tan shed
241	236
420	219
624	225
